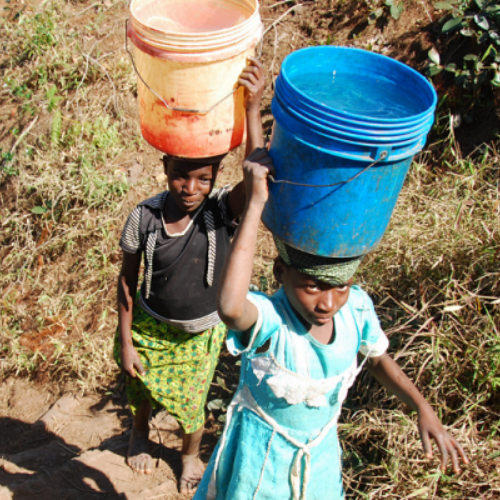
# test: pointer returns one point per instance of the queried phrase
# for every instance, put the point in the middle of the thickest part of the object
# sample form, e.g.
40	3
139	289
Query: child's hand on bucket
256	168
252	78
430	427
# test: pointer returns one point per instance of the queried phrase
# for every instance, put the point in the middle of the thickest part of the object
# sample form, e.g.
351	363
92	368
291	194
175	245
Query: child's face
189	182
314	301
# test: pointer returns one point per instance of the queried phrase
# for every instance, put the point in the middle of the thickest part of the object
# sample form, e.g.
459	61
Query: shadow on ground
77	449
44	466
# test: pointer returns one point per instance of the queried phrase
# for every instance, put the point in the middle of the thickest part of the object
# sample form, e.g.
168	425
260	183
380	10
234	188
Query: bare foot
138	457
192	472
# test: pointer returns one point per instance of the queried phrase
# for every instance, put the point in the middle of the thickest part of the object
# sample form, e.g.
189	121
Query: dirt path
74	448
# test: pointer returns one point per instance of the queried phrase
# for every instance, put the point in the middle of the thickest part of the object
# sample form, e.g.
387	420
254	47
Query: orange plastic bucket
188	57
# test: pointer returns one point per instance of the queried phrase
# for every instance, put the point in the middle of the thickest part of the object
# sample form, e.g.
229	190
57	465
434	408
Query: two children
300	347
169	339
300	356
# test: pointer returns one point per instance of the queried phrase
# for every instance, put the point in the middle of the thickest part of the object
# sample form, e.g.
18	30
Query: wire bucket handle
382	156
184	110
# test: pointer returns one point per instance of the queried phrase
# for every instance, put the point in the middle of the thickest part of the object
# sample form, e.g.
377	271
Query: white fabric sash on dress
300	469
294	388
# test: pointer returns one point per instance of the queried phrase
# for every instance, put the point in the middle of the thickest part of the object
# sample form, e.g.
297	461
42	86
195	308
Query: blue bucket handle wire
382	156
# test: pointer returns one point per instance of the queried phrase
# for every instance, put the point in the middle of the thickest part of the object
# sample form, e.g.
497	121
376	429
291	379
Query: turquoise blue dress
280	440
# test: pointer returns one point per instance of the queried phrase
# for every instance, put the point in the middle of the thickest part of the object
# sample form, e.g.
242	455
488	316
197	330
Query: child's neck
176	220
324	334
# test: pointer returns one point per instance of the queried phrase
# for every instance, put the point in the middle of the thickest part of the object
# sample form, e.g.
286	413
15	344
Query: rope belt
298	473
303	450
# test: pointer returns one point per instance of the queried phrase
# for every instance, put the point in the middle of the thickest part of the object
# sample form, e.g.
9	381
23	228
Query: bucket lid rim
189	44
425	84
197	54
398	147
336	132
335	120
395	155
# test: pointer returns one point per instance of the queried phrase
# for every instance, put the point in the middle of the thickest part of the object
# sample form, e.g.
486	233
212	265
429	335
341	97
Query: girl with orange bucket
169	338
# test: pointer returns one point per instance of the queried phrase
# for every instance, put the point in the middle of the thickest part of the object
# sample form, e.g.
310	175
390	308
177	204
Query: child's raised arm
390	375
234	308
252	78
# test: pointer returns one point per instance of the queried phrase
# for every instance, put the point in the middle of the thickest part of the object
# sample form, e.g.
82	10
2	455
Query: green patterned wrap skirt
179	368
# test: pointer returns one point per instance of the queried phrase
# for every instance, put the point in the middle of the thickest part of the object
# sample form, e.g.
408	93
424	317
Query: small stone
135	173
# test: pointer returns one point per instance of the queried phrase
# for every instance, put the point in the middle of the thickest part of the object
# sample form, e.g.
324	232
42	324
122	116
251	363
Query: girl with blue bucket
299	352
303	347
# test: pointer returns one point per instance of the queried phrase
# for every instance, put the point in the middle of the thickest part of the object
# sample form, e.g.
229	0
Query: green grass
60	228
434	278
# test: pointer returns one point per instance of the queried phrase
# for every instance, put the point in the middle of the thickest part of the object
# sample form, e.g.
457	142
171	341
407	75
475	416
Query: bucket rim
190	46
355	127
199	56
361	154
207	34
192	38
331	117
359	140
341	48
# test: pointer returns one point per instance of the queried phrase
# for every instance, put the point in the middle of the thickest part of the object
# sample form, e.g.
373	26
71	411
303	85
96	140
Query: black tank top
179	288
178	271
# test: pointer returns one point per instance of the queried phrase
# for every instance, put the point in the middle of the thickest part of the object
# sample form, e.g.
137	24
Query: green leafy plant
6	160
477	24
56	129
41	27
388	8
38	210
395	9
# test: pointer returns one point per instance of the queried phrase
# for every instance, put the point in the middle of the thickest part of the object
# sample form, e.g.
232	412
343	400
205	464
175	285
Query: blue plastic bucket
337	111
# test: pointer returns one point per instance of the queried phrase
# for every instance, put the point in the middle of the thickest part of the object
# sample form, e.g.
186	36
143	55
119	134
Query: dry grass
62	195
435	279
65	195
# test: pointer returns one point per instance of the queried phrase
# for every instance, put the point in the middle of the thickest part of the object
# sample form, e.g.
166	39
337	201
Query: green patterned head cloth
335	272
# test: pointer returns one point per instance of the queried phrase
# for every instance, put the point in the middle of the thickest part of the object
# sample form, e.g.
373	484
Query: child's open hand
256	169
430	426
252	78
131	361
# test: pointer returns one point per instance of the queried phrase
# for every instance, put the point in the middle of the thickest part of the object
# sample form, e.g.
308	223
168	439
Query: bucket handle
382	156
184	110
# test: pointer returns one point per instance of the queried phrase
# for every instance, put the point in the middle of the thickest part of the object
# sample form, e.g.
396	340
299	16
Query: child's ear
278	270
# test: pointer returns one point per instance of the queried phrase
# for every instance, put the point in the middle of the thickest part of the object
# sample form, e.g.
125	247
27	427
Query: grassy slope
66	190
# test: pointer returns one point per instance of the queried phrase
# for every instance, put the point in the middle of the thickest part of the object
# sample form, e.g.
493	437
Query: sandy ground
75	447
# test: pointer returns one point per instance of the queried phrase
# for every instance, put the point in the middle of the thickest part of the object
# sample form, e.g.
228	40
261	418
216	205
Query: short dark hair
211	160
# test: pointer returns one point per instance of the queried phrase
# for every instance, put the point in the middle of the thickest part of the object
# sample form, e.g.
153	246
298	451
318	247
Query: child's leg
138	457
192	466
